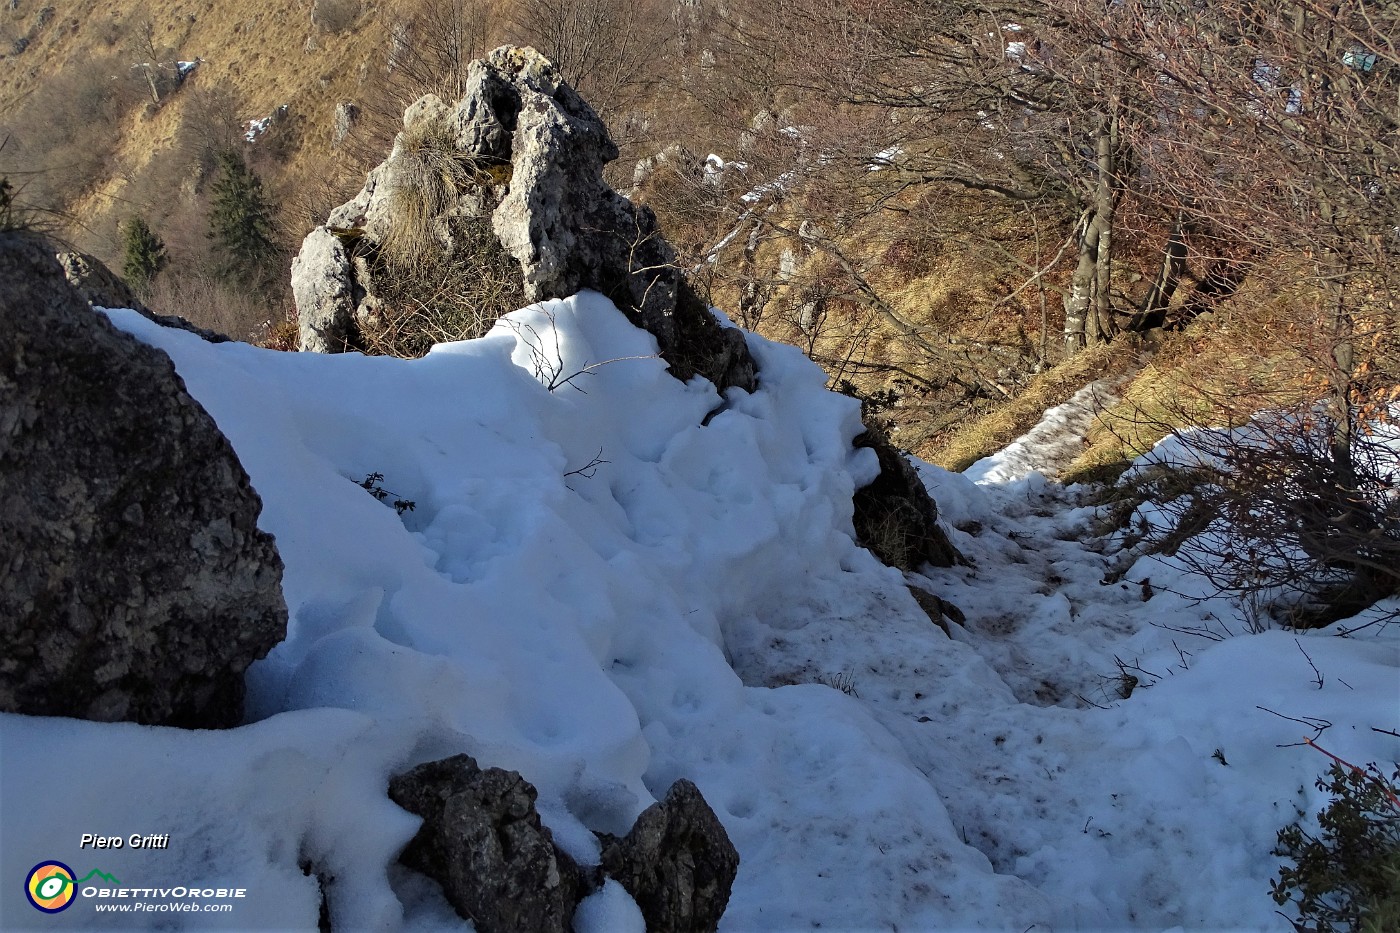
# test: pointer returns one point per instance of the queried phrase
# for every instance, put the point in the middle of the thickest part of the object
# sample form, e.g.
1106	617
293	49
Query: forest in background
964	211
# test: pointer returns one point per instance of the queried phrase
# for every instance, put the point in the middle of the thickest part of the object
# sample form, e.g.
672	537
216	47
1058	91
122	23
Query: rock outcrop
347	117
137	584
524	153
677	863
483	842
497	864
895	517
524	150
100	287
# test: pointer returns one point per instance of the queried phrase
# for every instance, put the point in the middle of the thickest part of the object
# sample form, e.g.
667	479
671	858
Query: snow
884	158
1052	444
256	128
679	609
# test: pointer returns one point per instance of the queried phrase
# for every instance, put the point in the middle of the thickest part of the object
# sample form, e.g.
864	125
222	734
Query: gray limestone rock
677	863
347	115
137	584
325	292
100	287
527	153
483	842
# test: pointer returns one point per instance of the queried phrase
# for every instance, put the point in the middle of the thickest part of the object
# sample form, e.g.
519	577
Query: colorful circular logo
50	887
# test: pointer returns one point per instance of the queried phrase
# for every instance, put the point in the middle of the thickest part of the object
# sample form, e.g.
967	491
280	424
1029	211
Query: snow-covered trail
1154	807
1055	441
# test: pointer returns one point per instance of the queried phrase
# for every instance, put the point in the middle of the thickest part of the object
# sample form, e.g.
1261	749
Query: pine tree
142	251
240	222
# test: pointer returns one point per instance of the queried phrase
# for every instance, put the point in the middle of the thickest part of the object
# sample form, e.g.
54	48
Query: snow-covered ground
1052	444
606	590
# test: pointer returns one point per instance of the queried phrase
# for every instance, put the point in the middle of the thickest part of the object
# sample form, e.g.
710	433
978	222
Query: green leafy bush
1347	878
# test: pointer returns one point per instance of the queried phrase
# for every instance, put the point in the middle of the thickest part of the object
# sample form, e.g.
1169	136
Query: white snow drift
625	580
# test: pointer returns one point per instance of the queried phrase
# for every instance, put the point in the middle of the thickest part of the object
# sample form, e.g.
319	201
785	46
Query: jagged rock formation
524	150
137	584
677	863
498	865
483	842
347	115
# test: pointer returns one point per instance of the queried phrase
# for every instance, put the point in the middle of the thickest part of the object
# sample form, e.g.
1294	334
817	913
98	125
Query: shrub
228	308
1347	878
1286	520
63	136
440	276
437	295
7	205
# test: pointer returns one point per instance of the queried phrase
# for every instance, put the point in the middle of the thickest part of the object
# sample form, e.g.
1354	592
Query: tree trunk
151	83
1101	324
1088	309
1152	313
1343	379
1081	286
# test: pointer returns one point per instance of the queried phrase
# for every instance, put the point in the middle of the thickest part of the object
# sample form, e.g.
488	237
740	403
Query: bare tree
433	41
611	51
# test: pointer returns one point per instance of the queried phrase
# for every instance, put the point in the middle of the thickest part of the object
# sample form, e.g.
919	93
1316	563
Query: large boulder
483	842
137	584
523	152
677	863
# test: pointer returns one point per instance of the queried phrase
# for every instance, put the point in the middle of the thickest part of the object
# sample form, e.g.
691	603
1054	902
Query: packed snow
623	580
1055	441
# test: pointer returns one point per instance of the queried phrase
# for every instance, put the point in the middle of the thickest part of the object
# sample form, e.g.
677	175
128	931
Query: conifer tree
240	222
143	253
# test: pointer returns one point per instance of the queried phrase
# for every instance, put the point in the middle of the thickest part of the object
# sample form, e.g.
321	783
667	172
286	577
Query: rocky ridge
525	152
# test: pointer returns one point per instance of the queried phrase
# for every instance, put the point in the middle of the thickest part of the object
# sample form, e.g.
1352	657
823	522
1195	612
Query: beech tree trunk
1081	287
1088	305
1152	313
1102	325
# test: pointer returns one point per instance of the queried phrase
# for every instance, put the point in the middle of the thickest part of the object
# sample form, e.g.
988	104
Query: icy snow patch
1052	444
